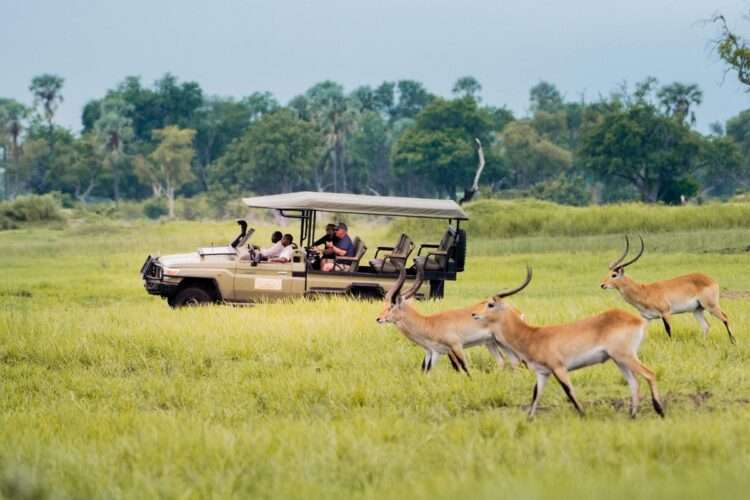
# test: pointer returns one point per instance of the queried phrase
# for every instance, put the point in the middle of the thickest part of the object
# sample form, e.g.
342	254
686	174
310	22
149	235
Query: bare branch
474	189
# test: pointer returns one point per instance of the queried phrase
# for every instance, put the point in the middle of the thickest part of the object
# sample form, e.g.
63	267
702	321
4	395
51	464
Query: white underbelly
648	313
480	337
688	306
592	357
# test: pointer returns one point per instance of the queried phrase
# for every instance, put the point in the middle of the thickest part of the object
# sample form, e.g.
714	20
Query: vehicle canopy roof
360	204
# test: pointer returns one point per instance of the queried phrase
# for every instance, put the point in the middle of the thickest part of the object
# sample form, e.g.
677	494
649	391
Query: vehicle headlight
168	271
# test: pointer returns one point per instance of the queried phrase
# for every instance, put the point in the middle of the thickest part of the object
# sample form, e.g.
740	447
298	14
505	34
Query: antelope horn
396	288
643	247
417	281
614	264
512	291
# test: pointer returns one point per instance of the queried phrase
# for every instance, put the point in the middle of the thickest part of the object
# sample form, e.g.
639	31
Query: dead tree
474	189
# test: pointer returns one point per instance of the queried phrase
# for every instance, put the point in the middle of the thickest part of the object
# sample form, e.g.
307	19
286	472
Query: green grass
496	219
106	392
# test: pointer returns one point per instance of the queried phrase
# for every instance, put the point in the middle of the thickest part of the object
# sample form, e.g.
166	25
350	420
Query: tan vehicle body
236	274
231	278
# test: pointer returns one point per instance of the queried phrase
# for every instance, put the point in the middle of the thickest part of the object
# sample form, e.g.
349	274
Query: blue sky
234	48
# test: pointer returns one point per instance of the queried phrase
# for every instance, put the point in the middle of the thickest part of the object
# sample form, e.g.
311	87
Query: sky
235	47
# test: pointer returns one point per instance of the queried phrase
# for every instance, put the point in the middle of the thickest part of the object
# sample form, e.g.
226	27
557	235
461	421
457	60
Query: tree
734	50
677	99
500	117
722	167
412	98
168	167
47	91
467	86
335	116
277	153
641	147
370	148
738	128
41	168
219	121
544	96
530	158
13	115
113	130
87	166
439	148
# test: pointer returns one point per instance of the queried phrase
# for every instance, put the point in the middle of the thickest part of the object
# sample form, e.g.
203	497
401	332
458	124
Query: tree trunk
170	200
341	163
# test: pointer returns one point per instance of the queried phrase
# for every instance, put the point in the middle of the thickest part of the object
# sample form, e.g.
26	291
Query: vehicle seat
352	262
437	259
401	251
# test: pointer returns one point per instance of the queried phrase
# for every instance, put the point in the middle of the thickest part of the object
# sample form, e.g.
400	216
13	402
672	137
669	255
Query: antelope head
495	308
617	268
393	309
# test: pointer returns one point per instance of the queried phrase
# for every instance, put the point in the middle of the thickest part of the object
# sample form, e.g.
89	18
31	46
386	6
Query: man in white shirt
287	252
275	249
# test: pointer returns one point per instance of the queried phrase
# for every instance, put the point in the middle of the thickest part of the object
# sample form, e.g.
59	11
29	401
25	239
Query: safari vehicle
233	274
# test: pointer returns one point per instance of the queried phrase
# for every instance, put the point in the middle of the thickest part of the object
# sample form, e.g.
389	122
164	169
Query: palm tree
678	98
12	117
113	129
47	90
336	117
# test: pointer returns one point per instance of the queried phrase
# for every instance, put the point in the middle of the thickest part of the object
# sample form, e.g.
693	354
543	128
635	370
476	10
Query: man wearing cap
342	248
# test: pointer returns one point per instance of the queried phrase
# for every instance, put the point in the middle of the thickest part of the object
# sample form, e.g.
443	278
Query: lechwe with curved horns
661	299
559	349
447	332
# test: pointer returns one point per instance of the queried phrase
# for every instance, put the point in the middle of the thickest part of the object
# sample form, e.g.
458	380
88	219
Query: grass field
106	392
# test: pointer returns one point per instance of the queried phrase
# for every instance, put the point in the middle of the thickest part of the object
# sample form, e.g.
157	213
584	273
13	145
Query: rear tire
191	297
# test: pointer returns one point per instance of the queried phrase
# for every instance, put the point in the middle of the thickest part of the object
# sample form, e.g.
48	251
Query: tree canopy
169	138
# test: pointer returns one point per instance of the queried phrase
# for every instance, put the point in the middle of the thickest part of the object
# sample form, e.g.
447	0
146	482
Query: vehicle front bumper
154	280
160	288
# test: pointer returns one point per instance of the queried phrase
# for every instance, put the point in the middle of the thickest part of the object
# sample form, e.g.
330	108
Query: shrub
30	209
155	208
564	190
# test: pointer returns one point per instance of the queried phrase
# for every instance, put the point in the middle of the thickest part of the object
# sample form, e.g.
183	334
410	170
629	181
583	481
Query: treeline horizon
170	139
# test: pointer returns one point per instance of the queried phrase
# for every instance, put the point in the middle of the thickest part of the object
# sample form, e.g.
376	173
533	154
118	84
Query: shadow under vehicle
233	273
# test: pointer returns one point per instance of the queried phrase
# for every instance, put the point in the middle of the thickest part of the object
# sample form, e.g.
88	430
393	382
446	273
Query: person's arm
320	240
339	251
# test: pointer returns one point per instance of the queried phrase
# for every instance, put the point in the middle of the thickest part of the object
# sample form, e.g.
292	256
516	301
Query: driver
287	251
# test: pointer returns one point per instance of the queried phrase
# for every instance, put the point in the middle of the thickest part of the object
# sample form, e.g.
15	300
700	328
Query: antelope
559	349
689	293
446	332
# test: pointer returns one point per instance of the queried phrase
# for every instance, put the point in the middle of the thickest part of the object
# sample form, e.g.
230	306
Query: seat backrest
446	244
404	247
359	251
448	239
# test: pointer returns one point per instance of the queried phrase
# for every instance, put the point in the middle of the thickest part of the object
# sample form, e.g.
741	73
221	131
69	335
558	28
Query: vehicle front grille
155	271
151	270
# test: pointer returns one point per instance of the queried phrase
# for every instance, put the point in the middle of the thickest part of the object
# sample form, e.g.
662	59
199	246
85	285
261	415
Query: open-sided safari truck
232	273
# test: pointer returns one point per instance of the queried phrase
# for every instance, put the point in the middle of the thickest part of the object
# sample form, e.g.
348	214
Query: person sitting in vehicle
275	249
287	251
342	248
330	236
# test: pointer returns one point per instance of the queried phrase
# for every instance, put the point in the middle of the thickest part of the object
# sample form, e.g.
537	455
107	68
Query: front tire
191	297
